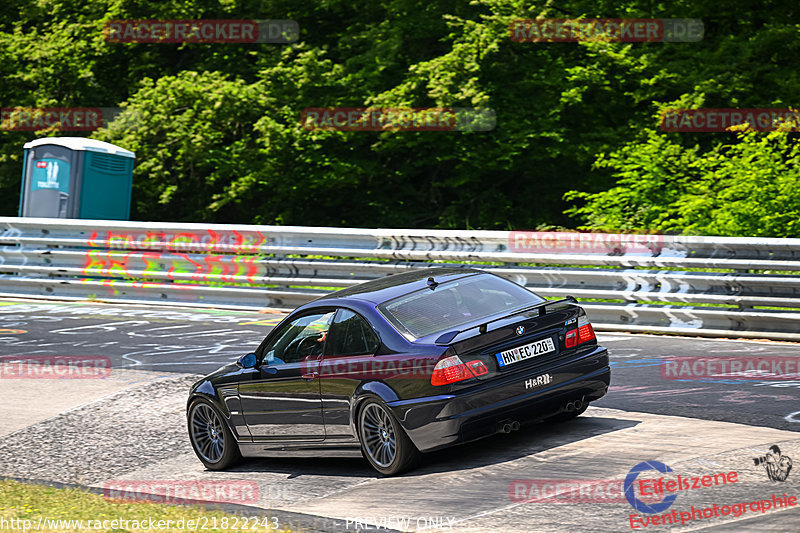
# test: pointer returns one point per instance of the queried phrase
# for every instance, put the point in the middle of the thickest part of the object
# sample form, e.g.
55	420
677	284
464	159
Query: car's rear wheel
384	443
211	439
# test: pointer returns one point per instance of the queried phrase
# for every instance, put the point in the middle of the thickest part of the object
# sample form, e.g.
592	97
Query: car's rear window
455	303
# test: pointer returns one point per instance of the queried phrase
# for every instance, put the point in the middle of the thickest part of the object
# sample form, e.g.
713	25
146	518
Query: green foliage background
216	127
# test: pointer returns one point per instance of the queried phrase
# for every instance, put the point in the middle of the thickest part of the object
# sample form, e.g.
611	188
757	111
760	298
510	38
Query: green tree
748	188
217	127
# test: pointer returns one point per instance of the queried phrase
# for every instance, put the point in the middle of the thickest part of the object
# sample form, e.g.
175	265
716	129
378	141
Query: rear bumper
439	421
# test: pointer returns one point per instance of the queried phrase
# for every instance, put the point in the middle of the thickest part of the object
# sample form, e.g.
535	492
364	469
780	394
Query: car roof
381	290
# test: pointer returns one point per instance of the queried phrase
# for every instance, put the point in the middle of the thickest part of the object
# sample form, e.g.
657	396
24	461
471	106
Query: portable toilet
76	177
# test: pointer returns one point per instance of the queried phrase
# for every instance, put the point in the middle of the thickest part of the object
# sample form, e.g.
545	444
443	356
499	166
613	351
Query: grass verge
26	507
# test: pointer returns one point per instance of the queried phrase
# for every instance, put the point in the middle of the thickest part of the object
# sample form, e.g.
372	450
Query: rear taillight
453	369
583	333
477	367
571	339
450	370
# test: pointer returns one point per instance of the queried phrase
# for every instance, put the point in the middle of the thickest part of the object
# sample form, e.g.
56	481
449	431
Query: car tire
566	415
212	441
384	443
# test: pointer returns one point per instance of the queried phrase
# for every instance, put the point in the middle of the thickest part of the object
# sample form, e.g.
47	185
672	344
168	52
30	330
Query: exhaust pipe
507	426
573	406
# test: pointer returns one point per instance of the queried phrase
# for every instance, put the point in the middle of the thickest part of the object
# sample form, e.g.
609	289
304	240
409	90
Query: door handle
310	376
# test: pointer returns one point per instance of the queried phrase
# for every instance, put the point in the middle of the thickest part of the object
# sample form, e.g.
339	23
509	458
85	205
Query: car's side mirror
247	361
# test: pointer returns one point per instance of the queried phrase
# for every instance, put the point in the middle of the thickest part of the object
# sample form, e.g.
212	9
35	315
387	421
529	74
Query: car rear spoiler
446	338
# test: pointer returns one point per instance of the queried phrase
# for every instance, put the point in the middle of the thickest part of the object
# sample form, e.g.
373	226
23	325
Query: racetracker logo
54	367
174	491
608	30
726	119
202	31
569	491
397	119
369	367
541	242
758	368
58	118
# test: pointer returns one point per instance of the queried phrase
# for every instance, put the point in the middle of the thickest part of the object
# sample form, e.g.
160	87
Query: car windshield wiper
446	338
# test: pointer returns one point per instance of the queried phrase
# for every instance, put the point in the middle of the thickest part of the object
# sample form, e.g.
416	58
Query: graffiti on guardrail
639	274
401	245
161	253
174	266
432	242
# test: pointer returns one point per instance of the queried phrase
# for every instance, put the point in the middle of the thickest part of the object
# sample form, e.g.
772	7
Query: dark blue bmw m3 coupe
398	366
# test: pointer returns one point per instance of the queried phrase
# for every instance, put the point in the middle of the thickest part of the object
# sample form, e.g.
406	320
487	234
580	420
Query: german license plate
520	353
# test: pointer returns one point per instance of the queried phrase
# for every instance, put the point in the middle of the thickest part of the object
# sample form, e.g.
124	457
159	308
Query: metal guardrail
645	277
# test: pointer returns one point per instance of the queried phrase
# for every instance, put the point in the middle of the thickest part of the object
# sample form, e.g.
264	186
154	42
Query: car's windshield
454	304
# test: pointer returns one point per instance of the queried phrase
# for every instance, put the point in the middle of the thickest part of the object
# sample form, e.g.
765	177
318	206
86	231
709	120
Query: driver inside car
302	340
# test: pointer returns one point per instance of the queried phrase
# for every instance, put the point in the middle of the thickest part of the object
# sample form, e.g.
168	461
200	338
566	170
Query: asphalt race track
671	401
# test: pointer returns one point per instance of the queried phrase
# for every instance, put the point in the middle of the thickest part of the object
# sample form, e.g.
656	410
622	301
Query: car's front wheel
211	439
384	443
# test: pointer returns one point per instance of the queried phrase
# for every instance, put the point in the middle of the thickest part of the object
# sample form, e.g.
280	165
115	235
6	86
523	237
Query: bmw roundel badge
520	330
